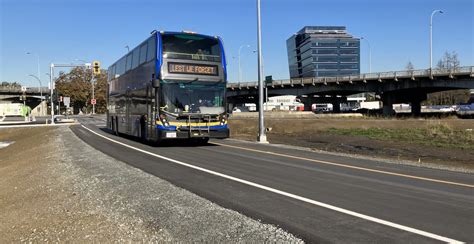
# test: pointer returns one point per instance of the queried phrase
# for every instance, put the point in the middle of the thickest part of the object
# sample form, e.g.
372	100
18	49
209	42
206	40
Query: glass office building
323	51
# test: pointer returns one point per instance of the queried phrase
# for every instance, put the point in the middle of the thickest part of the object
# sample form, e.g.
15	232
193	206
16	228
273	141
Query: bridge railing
9	89
392	75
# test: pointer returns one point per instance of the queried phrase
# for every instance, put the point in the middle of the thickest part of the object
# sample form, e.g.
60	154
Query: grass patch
439	135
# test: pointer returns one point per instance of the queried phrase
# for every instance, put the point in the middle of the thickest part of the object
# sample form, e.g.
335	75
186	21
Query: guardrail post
364	80
302	82
395	78
312	81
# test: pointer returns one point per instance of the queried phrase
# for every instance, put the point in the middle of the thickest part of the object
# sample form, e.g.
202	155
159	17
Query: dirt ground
56	188
311	133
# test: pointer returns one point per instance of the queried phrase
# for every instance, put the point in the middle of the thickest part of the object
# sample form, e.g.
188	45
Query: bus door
128	124
150	102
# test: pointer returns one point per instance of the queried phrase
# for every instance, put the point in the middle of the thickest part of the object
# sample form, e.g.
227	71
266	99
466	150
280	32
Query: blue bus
171	86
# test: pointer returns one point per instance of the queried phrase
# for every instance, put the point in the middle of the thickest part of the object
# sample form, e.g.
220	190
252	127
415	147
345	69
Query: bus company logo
182	68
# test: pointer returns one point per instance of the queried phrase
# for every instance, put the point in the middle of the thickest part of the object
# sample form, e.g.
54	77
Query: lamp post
38	76
51	69
240	69
262	138
41	92
431	38
128	48
370	54
38	63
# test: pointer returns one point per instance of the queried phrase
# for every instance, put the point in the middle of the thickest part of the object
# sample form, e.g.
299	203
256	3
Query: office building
323	51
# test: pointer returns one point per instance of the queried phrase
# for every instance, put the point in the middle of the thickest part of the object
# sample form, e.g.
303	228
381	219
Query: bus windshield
192	97
191	47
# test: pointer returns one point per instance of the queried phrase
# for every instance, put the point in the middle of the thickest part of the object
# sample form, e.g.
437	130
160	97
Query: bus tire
115	125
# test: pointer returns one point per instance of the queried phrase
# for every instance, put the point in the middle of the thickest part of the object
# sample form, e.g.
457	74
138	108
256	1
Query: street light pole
370	54
41	92
431	38
262	138
38	59
128	48
51	67
240	69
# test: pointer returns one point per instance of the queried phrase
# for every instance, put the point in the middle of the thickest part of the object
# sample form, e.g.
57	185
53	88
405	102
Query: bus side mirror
155	82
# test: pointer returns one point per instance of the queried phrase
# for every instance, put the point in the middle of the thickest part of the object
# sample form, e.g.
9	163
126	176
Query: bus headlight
223	119
164	120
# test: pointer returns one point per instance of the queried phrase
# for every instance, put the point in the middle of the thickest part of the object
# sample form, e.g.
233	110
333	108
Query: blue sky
66	30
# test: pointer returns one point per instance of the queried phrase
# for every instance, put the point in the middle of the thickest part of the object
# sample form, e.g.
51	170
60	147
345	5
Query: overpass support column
336	106
307	102
416	108
415	103
388	100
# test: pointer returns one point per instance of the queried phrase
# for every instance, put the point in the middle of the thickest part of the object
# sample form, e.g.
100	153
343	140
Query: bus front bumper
174	134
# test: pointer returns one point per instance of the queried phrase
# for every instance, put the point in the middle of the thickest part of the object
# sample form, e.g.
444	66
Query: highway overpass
393	87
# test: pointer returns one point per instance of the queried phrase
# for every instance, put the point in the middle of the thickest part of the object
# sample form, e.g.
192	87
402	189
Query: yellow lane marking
349	166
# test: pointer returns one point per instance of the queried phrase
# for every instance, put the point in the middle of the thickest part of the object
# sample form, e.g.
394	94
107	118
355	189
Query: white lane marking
290	195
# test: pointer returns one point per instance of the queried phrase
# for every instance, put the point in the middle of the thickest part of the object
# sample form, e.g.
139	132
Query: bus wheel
115	126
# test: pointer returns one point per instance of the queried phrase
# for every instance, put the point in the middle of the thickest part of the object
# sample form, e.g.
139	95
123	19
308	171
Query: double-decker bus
171	86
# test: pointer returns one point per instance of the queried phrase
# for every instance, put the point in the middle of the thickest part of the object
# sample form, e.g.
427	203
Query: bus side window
151	49
143	49
129	62
135	58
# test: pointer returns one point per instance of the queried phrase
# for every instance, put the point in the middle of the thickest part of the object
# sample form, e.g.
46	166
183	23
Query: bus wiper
189	82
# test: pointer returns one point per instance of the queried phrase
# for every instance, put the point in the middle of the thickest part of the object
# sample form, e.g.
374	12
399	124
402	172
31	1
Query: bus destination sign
195	69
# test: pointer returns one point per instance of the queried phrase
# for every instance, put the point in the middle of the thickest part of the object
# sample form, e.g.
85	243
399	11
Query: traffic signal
96	67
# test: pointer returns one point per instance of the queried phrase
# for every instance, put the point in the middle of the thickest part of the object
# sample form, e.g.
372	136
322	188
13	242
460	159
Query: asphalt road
317	197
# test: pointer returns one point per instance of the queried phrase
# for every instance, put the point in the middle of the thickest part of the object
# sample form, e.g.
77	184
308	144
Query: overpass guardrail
380	76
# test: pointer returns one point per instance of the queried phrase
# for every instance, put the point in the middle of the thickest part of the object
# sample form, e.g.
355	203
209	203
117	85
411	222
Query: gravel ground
54	187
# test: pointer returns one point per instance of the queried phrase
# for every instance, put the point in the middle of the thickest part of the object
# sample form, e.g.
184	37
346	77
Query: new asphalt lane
316	196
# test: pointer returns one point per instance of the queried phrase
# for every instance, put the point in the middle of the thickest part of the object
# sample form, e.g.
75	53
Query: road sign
67	101
93	101
23	88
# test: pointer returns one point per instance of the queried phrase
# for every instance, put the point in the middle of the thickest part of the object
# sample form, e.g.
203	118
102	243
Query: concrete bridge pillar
416	108
415	103
336	106
387	104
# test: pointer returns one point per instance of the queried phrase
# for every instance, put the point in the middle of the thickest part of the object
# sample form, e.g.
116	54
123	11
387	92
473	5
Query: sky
65	31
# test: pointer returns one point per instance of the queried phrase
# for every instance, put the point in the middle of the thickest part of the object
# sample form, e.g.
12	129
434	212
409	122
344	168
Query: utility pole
51	70
93	93
262	137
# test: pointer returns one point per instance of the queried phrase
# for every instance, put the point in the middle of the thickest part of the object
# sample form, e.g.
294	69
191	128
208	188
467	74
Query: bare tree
449	61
